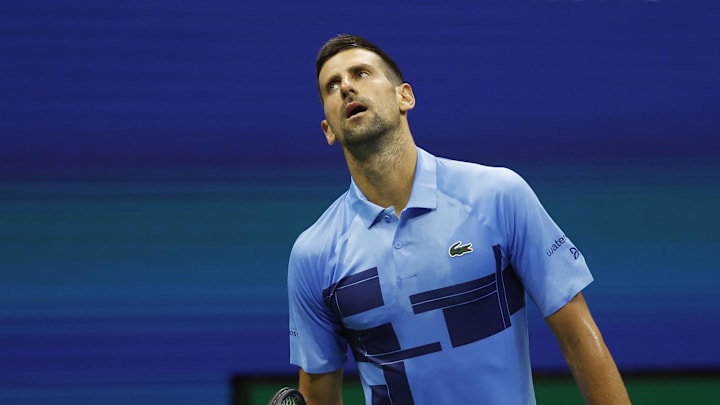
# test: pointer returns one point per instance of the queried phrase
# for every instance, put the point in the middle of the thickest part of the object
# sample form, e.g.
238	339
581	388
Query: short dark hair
344	42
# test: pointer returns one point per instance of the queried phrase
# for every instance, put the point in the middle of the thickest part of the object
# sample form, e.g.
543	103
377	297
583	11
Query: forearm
321	389
595	372
585	351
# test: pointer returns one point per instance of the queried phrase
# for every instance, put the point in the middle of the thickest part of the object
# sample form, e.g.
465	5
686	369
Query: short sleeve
316	341
551	267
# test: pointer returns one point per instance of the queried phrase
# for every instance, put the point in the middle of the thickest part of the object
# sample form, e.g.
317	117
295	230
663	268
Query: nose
346	86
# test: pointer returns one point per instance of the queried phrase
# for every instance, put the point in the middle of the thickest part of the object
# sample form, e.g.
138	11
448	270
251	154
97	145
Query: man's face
360	101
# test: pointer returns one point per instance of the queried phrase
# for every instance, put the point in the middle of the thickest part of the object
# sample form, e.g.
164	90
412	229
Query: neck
384	169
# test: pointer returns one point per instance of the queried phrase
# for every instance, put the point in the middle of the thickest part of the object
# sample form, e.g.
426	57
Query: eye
363	73
333	85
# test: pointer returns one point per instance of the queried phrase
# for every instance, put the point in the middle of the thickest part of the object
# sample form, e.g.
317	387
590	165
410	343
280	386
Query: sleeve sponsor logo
575	252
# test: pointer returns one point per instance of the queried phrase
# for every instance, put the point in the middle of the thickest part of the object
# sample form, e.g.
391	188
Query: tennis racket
287	396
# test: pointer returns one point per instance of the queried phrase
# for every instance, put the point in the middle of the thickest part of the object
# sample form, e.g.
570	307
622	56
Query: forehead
348	59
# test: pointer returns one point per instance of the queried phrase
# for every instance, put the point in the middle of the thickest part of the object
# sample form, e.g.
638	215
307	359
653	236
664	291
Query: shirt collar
423	195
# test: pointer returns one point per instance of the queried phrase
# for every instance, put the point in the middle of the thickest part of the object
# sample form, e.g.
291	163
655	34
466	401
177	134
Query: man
423	265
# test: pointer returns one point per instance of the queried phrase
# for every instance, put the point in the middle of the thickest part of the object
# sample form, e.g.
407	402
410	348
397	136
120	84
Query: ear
406	97
329	135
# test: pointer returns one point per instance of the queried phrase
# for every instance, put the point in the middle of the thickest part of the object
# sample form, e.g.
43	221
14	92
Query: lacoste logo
458	249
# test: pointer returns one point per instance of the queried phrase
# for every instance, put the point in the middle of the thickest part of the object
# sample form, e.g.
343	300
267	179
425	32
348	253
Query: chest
378	270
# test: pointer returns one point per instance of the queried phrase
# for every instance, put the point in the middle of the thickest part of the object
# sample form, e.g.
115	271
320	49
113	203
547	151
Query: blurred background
158	159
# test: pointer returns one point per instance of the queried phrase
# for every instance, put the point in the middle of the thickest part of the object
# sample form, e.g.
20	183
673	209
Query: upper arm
321	389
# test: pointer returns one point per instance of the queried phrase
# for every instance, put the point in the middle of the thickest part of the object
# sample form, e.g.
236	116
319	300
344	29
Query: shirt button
387	219
398	245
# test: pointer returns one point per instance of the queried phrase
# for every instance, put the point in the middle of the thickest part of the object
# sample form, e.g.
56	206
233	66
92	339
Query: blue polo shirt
431	304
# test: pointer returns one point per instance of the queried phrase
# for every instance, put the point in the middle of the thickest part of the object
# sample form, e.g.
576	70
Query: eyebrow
352	68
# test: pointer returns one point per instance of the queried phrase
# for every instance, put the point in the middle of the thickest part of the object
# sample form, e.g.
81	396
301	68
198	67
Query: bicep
321	389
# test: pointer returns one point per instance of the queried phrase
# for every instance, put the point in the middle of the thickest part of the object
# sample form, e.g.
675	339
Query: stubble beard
367	139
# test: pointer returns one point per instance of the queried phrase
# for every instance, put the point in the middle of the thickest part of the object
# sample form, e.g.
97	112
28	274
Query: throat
386	178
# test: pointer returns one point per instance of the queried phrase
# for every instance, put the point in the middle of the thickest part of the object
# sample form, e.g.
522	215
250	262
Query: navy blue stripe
452	290
502	296
514	289
380	395
351	279
405	354
398	385
374	340
355	294
456	299
380	345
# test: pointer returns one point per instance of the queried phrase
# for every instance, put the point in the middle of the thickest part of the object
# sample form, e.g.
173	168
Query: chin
357	138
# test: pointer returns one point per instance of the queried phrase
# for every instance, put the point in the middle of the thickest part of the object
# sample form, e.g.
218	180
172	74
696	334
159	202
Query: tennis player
423	266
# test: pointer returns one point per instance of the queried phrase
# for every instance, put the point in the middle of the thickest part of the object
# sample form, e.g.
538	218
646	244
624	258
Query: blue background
158	159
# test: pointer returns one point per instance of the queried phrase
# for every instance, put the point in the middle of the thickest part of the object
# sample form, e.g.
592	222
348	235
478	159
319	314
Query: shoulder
319	237
460	177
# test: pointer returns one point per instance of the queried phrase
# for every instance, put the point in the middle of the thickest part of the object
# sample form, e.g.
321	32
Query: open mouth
354	109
